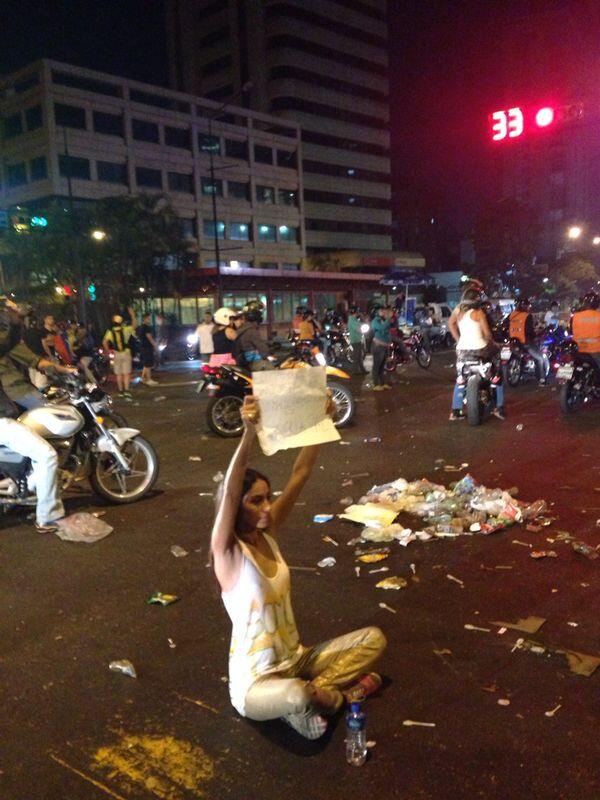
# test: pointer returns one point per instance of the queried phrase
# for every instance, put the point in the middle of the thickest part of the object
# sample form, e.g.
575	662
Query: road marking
86	777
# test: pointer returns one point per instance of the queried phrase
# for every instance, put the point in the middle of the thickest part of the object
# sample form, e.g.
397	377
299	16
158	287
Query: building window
209	144
208	227
108	172
268	265
262	154
239	231
33	118
291	266
86	84
157	100
16	174
188	228
287	233
238	190
69	116
12	126
287	198
180	182
144	131
266	233
265	194
236	149
212	187
74	167
111	124
178	137
151	178
38	169
287	158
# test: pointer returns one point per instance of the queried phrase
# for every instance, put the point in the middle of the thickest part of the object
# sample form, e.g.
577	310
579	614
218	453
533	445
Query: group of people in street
233	337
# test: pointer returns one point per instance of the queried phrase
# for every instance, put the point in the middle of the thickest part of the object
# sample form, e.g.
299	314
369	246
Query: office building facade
322	64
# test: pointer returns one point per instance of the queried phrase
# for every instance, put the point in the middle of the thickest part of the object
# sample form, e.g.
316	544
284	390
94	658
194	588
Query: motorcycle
102	404
415	344
338	348
228	385
121	466
579	379
479	397
518	364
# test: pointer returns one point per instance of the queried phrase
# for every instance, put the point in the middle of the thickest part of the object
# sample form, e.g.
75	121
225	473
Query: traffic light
67	291
38	222
92	292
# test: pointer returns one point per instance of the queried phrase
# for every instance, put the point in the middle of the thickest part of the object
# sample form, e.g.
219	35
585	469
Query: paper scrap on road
579	663
292	409
527	624
412	723
392	582
469	627
372	514
82	527
329	561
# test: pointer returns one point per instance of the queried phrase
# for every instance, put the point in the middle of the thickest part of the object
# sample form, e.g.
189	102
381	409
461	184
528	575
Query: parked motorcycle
518	364
578	378
415	344
121	465
228	385
338	348
102	404
479	398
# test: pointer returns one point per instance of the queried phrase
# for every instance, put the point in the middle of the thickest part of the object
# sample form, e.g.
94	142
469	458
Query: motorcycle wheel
101	373
474	406
111	484
343	402
223	415
449	340
113	419
570	398
391	363
423	358
512	371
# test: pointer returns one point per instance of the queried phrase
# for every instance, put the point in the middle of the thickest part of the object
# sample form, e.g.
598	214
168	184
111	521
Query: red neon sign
511	123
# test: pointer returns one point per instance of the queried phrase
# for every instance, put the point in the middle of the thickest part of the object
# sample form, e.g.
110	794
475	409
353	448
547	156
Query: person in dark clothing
148	347
224	334
251	350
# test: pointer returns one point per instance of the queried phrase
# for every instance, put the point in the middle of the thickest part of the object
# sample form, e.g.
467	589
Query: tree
576	276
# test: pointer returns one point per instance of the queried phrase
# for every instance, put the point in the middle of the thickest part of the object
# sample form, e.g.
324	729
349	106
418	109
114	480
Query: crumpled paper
292	409
82	527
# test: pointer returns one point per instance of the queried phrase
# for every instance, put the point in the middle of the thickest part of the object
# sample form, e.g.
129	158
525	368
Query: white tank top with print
264	638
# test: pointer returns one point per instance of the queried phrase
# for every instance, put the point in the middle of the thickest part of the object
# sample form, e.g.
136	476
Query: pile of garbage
465	508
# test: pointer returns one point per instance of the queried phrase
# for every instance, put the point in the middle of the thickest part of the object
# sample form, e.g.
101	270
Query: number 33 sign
507	124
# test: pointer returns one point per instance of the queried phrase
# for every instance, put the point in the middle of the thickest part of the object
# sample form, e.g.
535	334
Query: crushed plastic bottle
123	665
585	550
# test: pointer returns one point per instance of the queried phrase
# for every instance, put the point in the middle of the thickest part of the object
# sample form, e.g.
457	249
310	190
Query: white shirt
471	334
204	333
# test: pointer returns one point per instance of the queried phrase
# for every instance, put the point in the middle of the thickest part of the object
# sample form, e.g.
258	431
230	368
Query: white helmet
222	316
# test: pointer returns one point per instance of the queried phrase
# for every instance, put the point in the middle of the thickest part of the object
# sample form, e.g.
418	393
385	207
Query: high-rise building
322	64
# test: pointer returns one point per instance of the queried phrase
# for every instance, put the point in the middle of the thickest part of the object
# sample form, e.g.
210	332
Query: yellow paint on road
160	765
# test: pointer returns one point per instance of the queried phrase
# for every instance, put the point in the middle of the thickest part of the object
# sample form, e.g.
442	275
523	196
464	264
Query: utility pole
75	243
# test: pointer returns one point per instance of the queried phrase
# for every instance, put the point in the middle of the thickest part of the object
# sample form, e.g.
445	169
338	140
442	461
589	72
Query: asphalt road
71	729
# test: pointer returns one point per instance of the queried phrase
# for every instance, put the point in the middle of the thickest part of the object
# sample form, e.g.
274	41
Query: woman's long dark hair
250	477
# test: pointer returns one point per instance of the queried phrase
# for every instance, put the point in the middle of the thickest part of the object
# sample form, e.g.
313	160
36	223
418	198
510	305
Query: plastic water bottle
356	736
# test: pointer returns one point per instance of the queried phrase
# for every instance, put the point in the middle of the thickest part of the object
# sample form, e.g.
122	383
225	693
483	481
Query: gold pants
332	665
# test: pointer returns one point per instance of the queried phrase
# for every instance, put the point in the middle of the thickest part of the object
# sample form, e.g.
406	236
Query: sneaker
366	686
150	382
47	527
127	395
456	415
542	382
499	412
309	723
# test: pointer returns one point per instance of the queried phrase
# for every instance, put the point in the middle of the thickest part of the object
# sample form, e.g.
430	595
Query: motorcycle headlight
365	327
320	359
192	339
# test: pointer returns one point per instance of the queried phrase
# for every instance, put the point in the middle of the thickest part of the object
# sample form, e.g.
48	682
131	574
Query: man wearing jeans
382	338
117	338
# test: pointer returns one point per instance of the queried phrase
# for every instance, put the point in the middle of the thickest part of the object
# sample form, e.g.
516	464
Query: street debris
160	398
586	550
303	569
178	551
526	625
543	554
380	569
523	544
503	701
579	663
412	723
443	652
372	440
373	558
161	599
456	580
171	643
329	540
387	608
392	583
194	458
357	571
124	666
321	518
346	501
519	427
218	477
553	711
329	561
573	624
413	569
469	627
82	527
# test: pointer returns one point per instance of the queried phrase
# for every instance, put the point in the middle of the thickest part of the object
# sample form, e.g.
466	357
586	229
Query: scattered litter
573	624
533	528
503	566
349	482
346	501
579	663
456	580
413	569
160	599
469	627
159	398
372	440
392	583
526	625
98	513
523	544
414	724
178	551
205	494
371	744
443	652
387	608
218	477
360	475
370	514
357	571
352	542
502	631
82	527
519	427
194	458
343	442
553	711
380	569
172	644
373	558
327	562
585	585
321	518
543	554
304	569
503	702
124	666
585	550
330	540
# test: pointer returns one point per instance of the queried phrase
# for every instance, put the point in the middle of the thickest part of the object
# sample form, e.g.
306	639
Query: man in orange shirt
585	326
521	327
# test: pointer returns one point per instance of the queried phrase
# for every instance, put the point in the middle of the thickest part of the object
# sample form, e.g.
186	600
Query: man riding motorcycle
585	327
521	327
250	349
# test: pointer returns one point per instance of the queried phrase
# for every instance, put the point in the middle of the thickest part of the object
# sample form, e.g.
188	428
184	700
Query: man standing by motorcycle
250	349
355	338
585	326
117	338
521	327
382	338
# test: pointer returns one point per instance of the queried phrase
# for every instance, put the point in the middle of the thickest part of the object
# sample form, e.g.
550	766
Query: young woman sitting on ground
272	675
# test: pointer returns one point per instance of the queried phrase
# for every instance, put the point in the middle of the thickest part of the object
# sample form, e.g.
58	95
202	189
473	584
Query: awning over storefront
408	277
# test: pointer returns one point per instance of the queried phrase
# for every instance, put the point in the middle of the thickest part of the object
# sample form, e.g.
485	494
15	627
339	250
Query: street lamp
574	232
98	235
596	240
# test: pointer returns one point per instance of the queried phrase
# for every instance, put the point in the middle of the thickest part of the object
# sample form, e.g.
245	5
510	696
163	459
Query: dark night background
448	71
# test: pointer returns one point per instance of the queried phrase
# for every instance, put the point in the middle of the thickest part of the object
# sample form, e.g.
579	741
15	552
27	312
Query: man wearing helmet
585	326
520	326
251	350
118	339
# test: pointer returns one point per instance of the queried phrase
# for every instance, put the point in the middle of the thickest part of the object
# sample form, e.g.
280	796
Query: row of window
17	174
348	227
323	168
341	143
291	12
241	231
16	124
331	112
339	199
329	82
315	49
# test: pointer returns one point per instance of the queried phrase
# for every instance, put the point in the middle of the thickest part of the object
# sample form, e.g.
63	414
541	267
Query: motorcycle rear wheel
223	415
112	484
477	408
512	371
570	398
423	358
343	402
